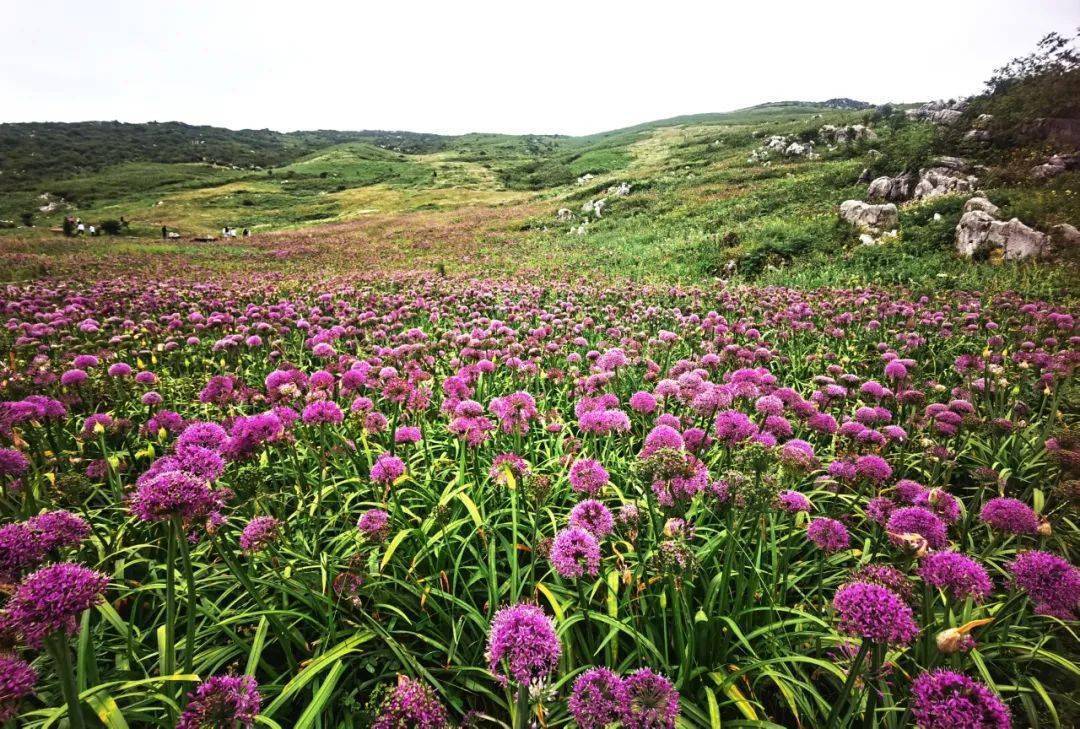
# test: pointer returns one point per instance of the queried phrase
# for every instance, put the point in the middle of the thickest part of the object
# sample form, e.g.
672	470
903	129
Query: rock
869	218
977	135
620	190
584	178
565	215
938	181
864	176
946	117
973	233
1054	166
866	239
1065	237
1057	131
958	164
890	189
850	133
981	203
978	234
796	149
982	121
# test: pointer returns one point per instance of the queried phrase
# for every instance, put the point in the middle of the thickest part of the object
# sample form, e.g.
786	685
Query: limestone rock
978	234
981	203
869	218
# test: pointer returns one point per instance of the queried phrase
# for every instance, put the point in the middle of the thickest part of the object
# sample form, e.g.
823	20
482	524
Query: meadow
295	499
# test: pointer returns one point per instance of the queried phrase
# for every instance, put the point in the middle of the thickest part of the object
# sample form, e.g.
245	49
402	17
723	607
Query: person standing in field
164	232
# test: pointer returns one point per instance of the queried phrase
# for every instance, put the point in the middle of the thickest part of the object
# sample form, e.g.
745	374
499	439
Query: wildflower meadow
410	500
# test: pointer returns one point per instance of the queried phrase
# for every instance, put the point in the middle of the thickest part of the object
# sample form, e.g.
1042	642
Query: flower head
654	702
920	521
574	553
945	699
599	698
875	613
222	702
522	644
17	681
387	469
957	574
828	534
1011	516
593	517
374	524
1050	581
52	600
259	533
588	476
410	705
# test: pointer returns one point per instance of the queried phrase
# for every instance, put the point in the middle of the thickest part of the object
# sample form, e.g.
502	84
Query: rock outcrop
851	133
980	235
1054	166
981	203
948	176
869	218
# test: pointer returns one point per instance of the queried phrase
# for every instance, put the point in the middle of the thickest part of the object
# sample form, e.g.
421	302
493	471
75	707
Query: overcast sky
507	66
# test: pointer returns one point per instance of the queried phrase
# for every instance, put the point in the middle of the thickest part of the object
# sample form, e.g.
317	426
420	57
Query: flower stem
61	655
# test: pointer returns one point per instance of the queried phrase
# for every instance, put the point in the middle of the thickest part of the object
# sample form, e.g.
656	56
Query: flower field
417	501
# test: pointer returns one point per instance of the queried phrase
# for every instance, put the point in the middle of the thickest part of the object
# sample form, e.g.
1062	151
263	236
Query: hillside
719	194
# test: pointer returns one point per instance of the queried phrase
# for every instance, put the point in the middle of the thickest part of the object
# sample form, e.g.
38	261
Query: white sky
507	66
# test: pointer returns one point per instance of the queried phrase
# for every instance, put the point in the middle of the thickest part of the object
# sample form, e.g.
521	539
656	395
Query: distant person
80	228
246	232
93	230
164	232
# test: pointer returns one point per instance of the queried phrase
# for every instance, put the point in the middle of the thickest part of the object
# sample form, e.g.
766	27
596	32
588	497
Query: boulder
1065	237
565	215
981	203
946	117
1054	166
938	181
981	136
978	234
890	189
869	218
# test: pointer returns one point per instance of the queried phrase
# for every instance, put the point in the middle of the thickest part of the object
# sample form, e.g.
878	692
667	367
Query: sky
511	66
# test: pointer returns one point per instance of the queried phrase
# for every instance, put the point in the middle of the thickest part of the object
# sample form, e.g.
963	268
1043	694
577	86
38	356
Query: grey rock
981	203
869	218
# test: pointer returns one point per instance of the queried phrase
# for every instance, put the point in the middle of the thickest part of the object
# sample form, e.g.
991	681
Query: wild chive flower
593	517
322	412
259	533
374	524
588	476
875	613
945	699
229	702
957	574
514	411
410	705
793	502
887	576
1011	516
661	437
797	455
654	702
175	494
20	551
13	463
598	699
407	434
52	600
879	508
733	426
522	645
510	463
17	681
574	553
941	503
643	402
1050	581
873	468
920	521
205	435
54	529
199	461
387	469
828	534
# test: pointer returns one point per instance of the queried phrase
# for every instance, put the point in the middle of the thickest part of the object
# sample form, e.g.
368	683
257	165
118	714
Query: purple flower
917	520
120	369
945	699
199	461
599	698
407	434
941	503
175	494
55	529
873	468
20	550
794	502
1010	516
522	644
654	702
879	508
957	574
828	534
73	377
259	533
588	476
17	681
205	435
387	469
662	437
323	412
1050	581
734	426
575	552
52	600
875	613
374	524
797	454
13	463
410	704
514	411
593	517
643	402
887	576
222	701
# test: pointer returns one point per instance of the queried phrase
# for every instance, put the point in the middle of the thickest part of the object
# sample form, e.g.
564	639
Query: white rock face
1054	166
620	190
565	215
979	234
869	218
981	203
938	181
890	189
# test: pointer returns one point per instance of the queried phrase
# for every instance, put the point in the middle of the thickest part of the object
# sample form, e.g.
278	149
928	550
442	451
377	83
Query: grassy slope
488	202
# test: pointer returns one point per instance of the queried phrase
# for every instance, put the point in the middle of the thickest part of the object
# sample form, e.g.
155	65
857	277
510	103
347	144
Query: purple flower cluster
1010	516
920	521
52	599
575	553
593	517
654	702
374	524
259	533
875	613
598	698
410	705
222	702
588	476
1050	581
957	574
17	680
828	534
387	469
522	644
945	699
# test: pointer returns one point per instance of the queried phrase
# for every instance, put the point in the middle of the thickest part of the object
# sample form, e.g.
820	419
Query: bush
27	219
111	227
